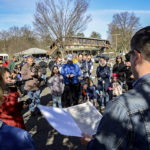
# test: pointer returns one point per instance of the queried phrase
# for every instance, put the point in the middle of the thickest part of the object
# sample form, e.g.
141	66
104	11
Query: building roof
32	51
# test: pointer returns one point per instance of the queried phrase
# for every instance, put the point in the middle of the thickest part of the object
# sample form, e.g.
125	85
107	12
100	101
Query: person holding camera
31	74
10	110
11	137
71	72
43	67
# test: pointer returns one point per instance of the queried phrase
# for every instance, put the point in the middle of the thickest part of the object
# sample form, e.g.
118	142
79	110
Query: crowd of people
122	86
79	83
73	80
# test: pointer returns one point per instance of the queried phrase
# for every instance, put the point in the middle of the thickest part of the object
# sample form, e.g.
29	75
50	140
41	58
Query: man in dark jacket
23	62
51	63
103	75
43	67
126	121
90	65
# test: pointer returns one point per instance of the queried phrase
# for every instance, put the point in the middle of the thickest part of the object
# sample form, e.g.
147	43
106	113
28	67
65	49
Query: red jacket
10	111
5	64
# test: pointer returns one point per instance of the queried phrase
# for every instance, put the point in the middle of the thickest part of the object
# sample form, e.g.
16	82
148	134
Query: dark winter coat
129	80
103	75
119	69
91	92
43	66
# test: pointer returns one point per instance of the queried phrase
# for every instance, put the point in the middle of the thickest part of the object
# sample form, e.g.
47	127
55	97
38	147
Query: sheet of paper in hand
86	116
73	121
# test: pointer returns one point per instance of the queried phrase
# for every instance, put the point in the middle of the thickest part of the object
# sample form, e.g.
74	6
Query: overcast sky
20	13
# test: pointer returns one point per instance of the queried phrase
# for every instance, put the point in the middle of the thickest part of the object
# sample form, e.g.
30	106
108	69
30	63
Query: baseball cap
25	56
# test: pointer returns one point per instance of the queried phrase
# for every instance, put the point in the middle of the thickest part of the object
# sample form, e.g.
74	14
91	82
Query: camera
28	101
18	83
35	70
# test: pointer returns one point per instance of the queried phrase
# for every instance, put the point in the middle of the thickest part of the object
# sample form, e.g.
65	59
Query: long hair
3	70
120	58
89	82
52	74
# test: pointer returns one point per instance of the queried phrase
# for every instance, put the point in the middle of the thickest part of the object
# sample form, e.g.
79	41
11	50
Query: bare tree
17	39
4	36
95	35
80	34
61	18
121	30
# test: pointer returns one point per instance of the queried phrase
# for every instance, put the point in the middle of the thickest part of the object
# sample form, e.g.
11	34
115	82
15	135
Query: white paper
73	121
61	120
86	116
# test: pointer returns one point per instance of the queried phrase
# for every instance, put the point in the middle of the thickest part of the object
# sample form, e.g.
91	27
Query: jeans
104	99
57	99
35	96
43	77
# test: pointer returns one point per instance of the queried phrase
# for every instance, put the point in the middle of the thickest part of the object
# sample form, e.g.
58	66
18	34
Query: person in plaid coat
10	110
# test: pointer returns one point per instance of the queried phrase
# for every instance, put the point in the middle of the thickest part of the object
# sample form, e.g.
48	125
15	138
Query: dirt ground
45	137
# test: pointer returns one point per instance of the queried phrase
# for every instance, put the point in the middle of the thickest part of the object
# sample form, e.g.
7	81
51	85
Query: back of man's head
141	42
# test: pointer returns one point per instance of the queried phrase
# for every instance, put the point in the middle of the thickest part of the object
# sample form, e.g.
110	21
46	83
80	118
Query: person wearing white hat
71	72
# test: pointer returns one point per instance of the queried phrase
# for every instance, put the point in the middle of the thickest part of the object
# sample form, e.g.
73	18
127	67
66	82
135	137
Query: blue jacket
12	138
126	121
68	69
103	74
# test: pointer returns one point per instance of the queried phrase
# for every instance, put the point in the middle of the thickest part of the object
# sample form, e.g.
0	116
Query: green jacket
11	65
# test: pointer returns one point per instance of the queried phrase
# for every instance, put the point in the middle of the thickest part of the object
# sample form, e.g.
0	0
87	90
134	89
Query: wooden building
79	45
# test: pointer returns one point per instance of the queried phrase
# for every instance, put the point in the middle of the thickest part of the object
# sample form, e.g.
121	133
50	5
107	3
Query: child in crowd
84	85
18	70
56	85
91	93
115	88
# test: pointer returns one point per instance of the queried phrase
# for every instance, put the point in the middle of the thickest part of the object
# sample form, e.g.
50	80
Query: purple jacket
56	85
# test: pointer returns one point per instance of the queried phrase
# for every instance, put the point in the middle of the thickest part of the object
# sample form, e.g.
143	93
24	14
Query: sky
20	13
